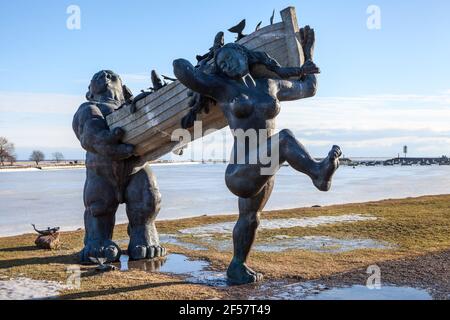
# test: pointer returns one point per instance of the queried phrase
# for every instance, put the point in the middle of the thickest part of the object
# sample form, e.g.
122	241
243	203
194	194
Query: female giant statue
251	105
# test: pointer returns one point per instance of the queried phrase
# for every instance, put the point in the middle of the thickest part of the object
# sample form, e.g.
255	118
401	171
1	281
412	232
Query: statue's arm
198	81
288	90
91	129
306	85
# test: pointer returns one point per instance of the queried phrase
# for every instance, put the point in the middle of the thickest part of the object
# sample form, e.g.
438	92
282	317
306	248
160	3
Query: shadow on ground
96	294
60	259
20	249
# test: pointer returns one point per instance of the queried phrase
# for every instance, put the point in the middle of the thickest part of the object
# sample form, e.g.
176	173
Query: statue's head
106	86
232	61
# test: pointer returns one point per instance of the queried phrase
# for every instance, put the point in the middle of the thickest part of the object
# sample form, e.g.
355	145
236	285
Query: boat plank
144	105
154	110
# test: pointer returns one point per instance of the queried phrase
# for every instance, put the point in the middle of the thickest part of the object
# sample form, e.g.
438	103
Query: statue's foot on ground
240	273
140	252
327	168
105	249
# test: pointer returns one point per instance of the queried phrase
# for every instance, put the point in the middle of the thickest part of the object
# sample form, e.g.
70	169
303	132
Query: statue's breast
263	105
242	106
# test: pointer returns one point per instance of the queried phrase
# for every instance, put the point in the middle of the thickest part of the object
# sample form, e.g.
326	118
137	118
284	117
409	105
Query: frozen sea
54	197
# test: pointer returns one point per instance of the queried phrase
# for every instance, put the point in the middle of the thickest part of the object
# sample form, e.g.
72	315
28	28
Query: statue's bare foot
105	249
327	168
240	273
140	252
144	243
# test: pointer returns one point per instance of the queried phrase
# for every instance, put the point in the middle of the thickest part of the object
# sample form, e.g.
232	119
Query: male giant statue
110	182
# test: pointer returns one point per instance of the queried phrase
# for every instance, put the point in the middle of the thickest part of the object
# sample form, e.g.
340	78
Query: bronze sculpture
48	239
252	104
110	182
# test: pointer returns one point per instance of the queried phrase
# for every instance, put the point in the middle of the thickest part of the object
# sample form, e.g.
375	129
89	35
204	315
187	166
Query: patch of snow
320	244
227	227
173	239
26	289
209	278
281	243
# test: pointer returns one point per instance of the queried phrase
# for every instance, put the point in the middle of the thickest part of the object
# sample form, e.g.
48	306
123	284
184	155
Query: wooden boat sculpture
157	115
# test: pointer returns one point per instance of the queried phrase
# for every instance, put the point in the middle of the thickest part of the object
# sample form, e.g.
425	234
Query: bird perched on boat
47	232
219	42
272	17
238	29
127	94
258	26
157	82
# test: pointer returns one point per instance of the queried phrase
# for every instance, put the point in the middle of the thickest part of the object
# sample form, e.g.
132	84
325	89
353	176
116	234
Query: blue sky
379	89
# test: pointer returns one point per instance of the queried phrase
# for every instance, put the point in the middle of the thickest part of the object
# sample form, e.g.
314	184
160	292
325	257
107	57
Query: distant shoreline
27	168
40	168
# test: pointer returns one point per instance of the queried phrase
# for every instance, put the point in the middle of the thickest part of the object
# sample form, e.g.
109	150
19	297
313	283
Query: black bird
219	42
157	82
127	94
239	28
272	17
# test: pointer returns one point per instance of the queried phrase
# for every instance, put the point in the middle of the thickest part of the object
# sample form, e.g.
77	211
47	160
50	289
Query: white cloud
54	136
38	120
135	78
29	103
382	112
365	125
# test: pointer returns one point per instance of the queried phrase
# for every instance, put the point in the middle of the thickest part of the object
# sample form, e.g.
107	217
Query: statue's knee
101	209
148	206
285	136
152	201
252	219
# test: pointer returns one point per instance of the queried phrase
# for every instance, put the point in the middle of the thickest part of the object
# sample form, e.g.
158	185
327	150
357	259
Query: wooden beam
294	48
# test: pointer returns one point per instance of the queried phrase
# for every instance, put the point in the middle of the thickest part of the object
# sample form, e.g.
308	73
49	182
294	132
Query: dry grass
416	226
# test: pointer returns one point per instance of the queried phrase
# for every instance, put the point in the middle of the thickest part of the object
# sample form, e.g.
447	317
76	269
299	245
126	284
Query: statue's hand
197	104
310	67
308	40
110	145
